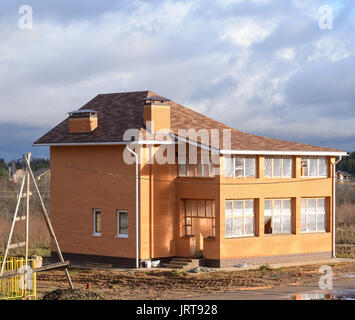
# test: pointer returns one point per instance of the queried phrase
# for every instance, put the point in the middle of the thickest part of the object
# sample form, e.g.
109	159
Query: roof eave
285	153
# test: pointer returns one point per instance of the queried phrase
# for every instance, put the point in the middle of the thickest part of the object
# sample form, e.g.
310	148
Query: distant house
343	176
269	201
17	176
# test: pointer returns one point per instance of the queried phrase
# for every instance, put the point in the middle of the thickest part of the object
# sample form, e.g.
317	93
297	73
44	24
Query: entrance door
199	223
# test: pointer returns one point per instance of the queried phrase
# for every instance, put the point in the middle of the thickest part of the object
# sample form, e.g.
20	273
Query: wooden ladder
29	174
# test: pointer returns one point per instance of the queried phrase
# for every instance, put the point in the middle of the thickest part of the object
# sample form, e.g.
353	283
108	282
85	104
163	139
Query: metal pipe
334	203
137	207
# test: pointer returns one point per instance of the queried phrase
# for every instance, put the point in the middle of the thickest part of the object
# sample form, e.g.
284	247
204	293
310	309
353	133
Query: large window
240	167
313	215
122	216
199	209
277	216
97	222
278	167
239	218
195	170
314	167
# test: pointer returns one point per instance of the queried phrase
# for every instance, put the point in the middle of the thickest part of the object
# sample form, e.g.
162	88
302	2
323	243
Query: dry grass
39	235
345	224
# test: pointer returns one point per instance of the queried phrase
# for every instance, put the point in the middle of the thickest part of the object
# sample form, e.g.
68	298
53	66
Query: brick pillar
260	217
296	215
297	167
260	166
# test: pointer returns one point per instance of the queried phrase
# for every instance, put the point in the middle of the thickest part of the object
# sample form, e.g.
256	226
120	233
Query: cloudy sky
264	67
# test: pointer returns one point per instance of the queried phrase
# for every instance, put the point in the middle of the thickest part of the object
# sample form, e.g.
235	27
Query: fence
14	288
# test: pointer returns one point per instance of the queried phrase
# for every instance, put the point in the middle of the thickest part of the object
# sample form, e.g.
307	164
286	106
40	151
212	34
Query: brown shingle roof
121	111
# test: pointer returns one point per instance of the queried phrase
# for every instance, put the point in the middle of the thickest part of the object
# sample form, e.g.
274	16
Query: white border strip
241	152
285	153
102	143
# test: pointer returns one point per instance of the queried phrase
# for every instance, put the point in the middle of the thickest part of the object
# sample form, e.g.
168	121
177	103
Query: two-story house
256	199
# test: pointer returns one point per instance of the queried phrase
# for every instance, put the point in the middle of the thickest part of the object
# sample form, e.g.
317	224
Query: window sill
278	178
278	234
244	236
314	232
241	178
184	177
96	234
313	177
122	237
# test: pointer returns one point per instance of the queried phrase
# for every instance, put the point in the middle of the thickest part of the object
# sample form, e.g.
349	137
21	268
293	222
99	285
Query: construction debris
69	294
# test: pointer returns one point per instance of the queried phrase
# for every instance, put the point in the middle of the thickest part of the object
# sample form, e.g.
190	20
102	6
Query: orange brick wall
157	207
261	189
79	125
74	193
159	115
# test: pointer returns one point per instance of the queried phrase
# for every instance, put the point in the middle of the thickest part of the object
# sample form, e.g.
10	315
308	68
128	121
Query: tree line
347	164
36	164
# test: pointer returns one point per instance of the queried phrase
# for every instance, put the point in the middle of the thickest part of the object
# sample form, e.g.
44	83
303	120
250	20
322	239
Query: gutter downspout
137	207
334	203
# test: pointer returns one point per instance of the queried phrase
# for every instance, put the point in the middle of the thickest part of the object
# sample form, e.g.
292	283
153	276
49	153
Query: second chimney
81	121
157	112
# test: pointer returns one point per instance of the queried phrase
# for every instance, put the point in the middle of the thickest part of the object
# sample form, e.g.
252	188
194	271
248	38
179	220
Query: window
314	167
313	215
97	222
122	216
199	209
195	170
239	218
278	167
240	167
277	216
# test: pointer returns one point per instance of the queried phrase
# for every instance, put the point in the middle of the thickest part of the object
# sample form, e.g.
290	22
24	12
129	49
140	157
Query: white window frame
244	167
308	167
185	166
282	167
281	215
97	234
317	213
244	216
121	236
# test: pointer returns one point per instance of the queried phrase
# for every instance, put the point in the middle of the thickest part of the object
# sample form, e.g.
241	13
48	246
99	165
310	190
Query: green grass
264	267
348	256
177	273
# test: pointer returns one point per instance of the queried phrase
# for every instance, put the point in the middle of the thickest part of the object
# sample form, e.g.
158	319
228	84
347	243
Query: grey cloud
17	139
78	49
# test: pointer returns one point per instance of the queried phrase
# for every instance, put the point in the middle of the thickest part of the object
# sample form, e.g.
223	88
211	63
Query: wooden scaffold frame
62	264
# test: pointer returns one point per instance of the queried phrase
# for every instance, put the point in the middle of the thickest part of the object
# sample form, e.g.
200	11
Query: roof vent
81	121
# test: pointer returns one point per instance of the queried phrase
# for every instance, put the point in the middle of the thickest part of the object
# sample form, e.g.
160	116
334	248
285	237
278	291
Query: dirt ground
172	284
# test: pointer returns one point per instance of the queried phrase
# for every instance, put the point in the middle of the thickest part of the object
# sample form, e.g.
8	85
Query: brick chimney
157	111
81	121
